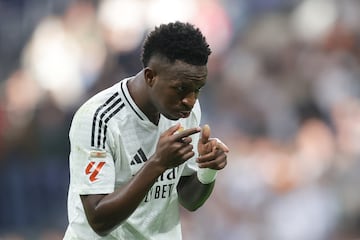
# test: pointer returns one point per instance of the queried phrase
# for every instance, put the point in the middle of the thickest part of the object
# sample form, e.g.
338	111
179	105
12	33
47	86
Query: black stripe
137	159
142	155
122	85
101	121
95	116
107	120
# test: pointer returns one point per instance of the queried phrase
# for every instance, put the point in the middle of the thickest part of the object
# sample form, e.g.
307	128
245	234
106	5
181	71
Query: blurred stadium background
283	93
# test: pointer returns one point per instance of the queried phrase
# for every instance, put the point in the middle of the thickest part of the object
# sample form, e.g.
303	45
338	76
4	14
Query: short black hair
176	41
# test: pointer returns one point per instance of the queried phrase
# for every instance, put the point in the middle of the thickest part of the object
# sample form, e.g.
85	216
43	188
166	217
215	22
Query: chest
133	145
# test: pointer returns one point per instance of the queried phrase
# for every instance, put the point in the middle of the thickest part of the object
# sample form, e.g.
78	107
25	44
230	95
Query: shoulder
101	101
98	107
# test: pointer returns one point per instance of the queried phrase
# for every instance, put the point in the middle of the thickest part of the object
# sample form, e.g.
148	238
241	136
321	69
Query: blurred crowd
283	93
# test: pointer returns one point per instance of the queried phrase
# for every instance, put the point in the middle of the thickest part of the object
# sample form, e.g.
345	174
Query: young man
137	150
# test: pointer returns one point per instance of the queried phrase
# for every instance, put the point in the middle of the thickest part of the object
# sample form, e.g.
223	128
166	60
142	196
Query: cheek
165	94
163	97
169	99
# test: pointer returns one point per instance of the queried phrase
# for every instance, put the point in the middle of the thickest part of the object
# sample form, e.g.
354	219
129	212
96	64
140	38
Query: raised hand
212	151
174	148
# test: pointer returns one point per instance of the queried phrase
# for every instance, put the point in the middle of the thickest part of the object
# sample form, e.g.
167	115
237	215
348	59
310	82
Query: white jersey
111	139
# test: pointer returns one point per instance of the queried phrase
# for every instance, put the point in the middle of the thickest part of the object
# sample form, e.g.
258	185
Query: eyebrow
198	77
189	83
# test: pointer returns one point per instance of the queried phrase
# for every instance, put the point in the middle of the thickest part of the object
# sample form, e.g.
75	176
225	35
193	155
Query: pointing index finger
186	133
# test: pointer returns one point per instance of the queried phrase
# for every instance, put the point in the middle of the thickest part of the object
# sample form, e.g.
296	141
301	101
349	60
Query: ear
149	76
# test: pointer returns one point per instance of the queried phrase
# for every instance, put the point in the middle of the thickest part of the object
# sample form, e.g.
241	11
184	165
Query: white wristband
206	175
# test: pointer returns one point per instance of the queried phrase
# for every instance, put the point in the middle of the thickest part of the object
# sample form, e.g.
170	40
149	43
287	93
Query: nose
189	100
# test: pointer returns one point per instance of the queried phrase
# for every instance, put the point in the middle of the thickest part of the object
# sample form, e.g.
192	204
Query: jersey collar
129	102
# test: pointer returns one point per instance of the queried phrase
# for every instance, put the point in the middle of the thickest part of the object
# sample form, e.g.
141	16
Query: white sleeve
92	169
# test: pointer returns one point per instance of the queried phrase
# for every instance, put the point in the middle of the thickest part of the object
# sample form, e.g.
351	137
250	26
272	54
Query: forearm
108	211
192	193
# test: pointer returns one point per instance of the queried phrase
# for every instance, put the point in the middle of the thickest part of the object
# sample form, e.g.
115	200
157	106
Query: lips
185	114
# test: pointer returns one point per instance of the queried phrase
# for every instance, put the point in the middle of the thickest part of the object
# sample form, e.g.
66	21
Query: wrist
154	164
206	175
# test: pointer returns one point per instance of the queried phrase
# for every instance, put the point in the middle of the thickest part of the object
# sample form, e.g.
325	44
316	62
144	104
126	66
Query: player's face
176	88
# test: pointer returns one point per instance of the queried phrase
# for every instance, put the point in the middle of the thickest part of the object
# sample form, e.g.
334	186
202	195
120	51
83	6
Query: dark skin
171	90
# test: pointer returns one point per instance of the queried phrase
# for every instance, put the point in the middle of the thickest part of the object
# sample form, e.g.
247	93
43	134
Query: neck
138	91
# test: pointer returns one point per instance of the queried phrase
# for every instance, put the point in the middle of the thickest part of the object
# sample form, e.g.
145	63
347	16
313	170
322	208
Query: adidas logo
139	157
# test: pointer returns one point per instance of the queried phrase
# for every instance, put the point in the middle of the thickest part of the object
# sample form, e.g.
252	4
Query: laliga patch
93	169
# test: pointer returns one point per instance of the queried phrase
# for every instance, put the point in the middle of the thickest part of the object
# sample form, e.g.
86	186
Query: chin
171	117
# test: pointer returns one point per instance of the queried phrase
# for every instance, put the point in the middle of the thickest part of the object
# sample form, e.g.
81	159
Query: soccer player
137	150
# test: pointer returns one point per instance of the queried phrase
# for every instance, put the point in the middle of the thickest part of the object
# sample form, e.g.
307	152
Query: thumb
205	134
172	130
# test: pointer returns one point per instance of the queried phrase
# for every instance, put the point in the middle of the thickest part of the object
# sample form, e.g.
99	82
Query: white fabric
113	155
206	175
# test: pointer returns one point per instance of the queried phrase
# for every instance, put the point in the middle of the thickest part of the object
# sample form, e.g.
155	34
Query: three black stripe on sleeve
101	117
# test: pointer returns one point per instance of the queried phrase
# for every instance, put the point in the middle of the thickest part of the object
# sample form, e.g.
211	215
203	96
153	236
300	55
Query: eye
184	89
180	89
